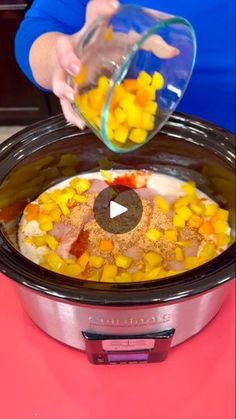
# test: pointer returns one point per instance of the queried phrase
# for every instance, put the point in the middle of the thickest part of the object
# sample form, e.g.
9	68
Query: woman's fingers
70	115
65	93
60	87
97	8
66	55
160	48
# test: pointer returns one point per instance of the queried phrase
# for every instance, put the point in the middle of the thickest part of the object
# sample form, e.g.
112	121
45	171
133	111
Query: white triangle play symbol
116	209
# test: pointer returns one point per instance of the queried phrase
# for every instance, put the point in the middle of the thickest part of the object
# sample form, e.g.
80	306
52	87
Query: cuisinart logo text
141	321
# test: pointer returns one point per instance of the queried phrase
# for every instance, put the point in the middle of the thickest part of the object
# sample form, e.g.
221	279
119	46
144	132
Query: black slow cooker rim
190	283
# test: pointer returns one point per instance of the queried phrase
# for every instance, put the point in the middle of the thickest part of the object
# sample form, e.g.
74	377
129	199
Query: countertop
44	379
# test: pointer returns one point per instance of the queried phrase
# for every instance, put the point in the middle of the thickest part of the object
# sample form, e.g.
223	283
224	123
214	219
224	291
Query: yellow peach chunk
96	261
220	227
222	239
153	234
103	83
211	209
179	254
120	115
109	273
121	134
208	252
123	261
181	202
157	80
83	260
184	212
54	261
192	262
153	258
125	277
138	276
222	214
39	241
154	273
73	270
178	221
197	209
171	235
138	135
55	214
144	78
150	107
195	221
162	204
189	188
51	242
147	121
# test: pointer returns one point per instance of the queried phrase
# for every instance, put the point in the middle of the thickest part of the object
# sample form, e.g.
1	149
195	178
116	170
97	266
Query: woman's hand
52	57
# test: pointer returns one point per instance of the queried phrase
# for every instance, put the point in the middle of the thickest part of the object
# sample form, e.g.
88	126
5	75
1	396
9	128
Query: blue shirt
211	91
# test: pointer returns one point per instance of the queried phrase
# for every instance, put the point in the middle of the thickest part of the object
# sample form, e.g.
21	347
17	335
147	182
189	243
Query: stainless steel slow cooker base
66	321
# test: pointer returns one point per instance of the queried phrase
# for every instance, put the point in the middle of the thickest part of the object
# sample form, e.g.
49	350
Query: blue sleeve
65	16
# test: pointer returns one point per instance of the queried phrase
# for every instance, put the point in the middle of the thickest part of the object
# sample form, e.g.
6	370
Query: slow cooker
126	322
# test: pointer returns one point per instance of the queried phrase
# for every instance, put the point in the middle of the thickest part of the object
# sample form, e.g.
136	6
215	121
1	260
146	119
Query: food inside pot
180	229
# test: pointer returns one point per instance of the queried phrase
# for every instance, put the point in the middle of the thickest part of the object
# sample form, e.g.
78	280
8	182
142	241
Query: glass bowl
136	65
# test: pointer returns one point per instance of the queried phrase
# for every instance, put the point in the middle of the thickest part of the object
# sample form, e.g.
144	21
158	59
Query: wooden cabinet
20	101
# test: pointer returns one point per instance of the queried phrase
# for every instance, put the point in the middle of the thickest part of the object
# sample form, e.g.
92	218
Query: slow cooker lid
179	128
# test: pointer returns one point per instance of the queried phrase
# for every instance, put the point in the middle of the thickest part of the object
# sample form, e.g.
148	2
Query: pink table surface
41	378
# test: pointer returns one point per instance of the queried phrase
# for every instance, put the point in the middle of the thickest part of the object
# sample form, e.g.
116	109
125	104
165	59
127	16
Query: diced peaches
96	261
144	78
178	221
171	235
154	273
72	269
153	234
179	254
125	277
153	258
121	134
192	262
220	227
189	188
195	221
132	107
138	135
222	239
184	212
162	204
83	260
120	115
211	209
109	273
51	242
207	252
123	261
206	228
197	208
138	276
32	212
54	261
157	81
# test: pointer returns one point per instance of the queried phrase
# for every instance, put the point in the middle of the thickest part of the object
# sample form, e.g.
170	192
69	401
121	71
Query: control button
117	209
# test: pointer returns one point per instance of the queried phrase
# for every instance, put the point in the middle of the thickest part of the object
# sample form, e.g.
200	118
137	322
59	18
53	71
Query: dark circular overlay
121	195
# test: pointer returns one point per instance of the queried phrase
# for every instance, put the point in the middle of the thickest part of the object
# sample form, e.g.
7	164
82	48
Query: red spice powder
80	244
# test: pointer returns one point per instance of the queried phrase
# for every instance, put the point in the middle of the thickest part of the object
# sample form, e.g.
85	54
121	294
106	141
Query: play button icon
117	209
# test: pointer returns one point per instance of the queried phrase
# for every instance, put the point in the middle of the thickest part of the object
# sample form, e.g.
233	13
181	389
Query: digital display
142	356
